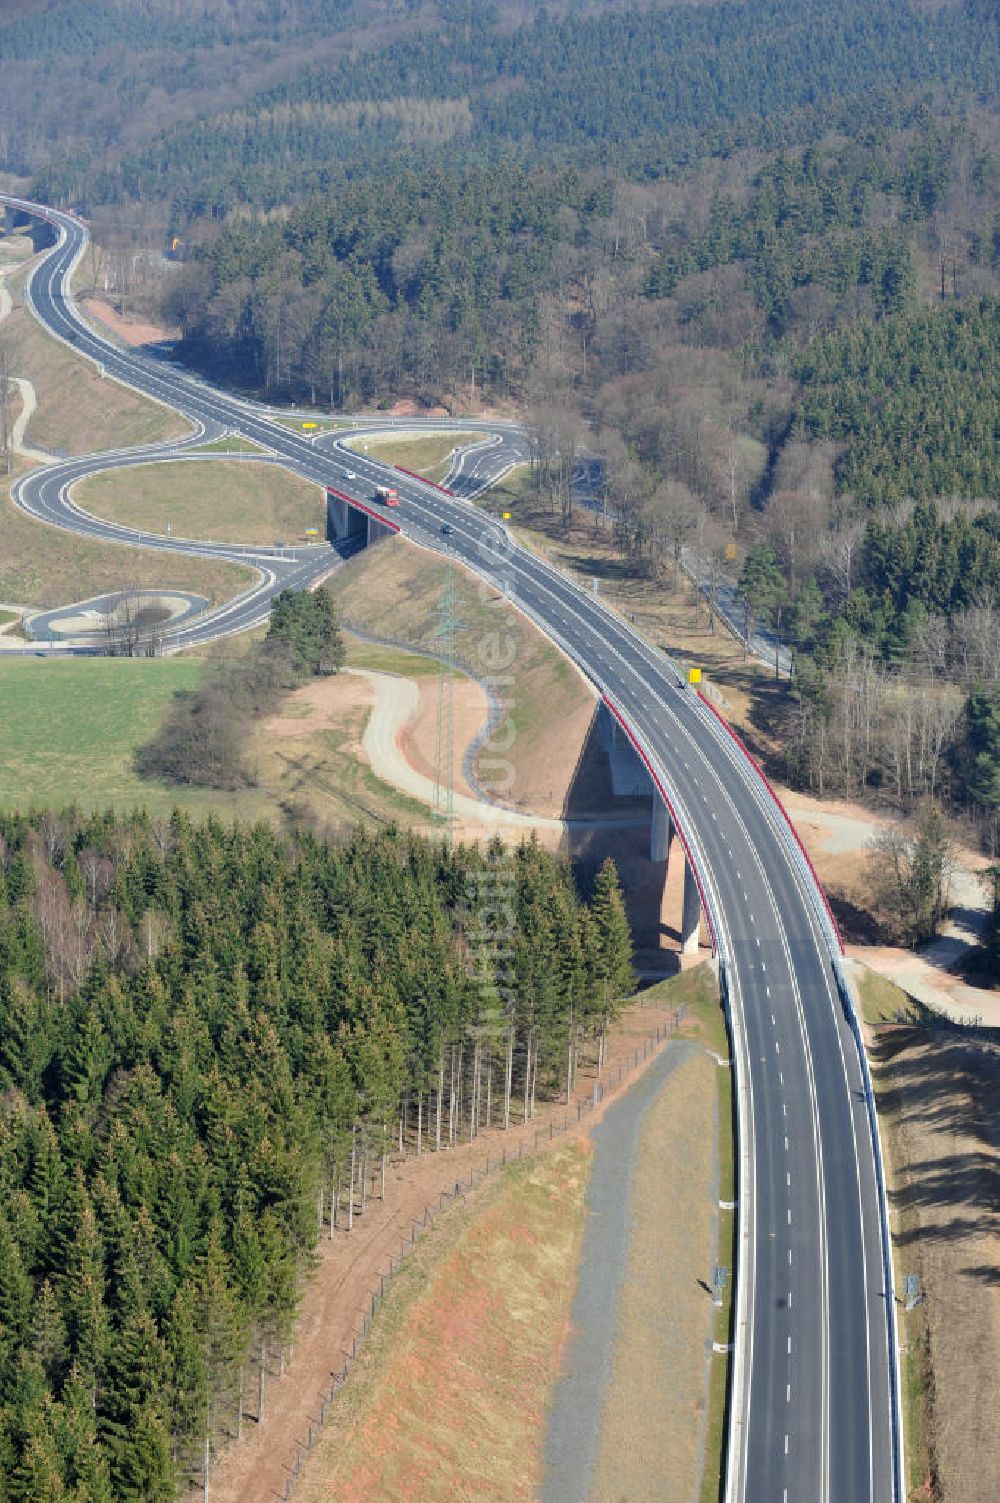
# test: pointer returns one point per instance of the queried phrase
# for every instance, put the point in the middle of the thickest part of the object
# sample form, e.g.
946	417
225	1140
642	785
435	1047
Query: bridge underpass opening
348	519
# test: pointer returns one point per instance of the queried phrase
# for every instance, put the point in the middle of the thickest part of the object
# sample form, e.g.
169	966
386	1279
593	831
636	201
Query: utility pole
443	809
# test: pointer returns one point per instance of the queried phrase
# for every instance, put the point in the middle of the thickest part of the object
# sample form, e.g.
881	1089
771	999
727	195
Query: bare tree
133	627
713	577
677	513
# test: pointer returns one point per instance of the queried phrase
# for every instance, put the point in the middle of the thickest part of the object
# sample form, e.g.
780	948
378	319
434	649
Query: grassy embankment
448	1398
450	1395
43	566
426	455
79	411
393	591
242	502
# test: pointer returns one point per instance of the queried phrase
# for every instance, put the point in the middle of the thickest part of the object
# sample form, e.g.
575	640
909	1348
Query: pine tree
611	962
131	1415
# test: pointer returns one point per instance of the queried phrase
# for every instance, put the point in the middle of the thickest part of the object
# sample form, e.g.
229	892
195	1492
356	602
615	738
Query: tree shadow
943	1082
601	824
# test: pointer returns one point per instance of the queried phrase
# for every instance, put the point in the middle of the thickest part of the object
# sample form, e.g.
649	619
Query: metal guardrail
895	1388
827	923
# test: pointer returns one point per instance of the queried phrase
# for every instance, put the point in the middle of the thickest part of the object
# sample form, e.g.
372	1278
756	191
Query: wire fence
495	1163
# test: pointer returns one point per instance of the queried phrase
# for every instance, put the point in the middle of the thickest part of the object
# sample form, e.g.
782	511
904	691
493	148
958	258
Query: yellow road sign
310	425
506	516
694	675
312	532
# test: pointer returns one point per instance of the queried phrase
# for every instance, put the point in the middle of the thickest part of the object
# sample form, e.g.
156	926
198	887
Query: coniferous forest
210	1037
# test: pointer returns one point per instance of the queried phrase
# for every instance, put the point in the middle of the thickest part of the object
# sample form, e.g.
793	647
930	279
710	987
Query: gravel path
396	703
575	1422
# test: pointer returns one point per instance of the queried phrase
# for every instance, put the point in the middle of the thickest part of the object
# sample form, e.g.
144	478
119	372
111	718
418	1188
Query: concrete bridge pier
337	517
629	777
661	831
691	920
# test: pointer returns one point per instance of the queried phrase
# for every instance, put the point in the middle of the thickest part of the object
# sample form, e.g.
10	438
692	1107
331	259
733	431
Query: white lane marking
789	1257
781	1078
786	1445
788	1393
784	1109
789	1346
752	918
767	991
777	1047
789	1215
772	1018
788	1179
786	1143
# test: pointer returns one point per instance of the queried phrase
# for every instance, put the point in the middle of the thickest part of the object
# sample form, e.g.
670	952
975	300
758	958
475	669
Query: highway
814	1375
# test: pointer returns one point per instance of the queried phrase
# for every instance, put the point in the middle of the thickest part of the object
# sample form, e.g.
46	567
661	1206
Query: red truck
387	494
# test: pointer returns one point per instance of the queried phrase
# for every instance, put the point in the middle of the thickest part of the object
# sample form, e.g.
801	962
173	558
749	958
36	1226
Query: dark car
447	529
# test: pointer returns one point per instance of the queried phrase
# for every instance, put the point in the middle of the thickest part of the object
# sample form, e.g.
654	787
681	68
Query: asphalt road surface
813	1366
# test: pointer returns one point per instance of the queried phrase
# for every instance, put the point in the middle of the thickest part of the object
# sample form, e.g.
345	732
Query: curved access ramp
814	1411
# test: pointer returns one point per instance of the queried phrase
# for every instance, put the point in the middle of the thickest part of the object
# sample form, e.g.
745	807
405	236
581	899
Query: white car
350	475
